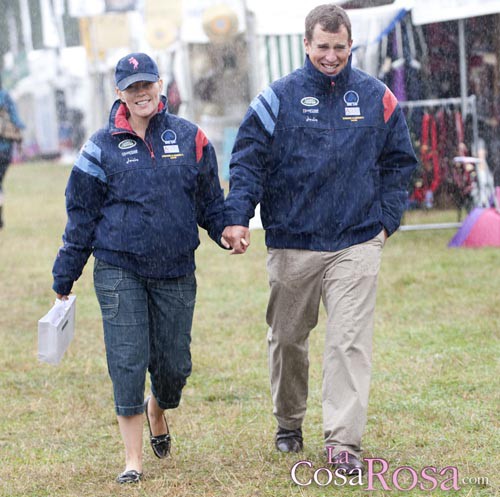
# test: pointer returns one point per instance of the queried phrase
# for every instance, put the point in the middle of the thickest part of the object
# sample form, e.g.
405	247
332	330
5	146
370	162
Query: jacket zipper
151	151
332	91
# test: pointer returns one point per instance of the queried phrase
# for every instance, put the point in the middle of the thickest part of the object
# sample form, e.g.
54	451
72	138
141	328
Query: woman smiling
135	197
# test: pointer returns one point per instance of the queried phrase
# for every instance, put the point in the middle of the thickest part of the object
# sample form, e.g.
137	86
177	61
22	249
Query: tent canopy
431	11
480	229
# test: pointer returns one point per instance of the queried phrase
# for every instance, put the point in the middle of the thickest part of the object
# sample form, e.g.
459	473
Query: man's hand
238	237
61	297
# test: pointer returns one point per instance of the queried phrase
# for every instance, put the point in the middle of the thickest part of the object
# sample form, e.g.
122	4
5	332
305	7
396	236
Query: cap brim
140	76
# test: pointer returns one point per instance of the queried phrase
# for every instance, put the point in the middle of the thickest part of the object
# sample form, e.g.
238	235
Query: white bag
55	330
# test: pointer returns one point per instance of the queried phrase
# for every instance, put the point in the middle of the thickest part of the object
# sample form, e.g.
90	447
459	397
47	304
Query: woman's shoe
130	476
160	443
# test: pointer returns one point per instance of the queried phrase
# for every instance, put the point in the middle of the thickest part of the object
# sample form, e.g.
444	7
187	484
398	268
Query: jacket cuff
236	220
216	234
62	287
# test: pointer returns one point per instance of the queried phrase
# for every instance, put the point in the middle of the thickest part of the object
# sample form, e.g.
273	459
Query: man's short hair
330	17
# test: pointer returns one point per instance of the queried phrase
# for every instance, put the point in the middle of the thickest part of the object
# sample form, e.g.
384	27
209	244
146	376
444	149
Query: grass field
434	397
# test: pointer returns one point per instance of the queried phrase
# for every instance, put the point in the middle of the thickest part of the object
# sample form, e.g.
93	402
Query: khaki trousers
346	281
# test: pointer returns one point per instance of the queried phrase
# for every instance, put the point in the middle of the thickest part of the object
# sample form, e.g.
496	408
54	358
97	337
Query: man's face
329	52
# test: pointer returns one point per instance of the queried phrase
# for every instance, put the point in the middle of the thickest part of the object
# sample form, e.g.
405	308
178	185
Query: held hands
237	238
61	297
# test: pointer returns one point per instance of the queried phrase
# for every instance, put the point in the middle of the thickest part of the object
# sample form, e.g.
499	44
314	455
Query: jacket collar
322	80
118	116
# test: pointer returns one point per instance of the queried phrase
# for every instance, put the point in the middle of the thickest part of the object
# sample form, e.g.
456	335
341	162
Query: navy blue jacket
136	203
329	158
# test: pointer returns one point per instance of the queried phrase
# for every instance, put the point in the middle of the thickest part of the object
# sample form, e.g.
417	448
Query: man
326	151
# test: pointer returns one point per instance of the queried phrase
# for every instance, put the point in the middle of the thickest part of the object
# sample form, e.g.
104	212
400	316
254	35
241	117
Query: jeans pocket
187	289
109	303
107	278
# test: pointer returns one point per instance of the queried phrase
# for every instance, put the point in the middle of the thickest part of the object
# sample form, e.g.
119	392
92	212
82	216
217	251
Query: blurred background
440	58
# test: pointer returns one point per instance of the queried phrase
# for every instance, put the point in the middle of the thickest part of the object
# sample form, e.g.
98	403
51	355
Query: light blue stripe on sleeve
93	150
263	114
89	167
272	100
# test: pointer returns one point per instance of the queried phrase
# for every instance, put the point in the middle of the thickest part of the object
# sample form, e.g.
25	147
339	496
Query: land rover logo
126	144
309	101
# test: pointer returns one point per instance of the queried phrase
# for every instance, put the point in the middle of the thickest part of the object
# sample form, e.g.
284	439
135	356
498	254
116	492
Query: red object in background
430	156
174	100
431	174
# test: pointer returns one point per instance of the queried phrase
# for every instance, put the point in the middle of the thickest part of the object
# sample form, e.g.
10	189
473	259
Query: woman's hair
330	17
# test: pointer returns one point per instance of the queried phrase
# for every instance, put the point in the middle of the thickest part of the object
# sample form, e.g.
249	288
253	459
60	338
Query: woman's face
142	98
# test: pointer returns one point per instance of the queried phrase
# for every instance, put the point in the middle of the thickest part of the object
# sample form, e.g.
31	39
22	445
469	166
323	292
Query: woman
7	138
134	198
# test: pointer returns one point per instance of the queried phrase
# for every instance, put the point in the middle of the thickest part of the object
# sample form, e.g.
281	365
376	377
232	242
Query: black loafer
348	464
289	440
130	476
159	443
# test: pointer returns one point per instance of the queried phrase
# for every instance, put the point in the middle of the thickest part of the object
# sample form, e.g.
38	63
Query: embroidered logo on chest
352	110
126	144
171	148
309	103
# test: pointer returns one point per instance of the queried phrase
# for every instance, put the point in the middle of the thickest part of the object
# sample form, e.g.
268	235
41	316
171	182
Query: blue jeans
147	326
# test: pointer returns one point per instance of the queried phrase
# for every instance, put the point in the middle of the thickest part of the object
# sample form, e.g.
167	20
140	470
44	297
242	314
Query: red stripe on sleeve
201	141
390	102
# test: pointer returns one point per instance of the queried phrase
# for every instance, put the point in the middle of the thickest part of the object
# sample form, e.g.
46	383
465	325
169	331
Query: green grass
434	396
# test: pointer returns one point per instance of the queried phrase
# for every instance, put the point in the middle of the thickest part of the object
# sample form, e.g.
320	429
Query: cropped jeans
147	327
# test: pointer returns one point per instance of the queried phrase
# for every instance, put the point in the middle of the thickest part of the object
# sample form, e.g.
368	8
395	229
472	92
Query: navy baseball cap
135	67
